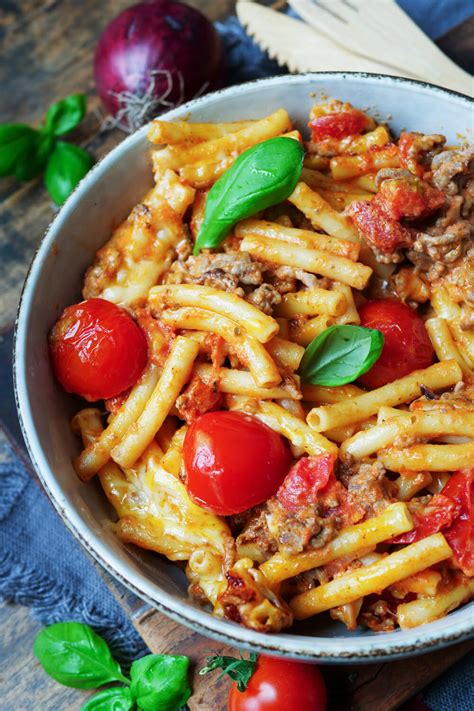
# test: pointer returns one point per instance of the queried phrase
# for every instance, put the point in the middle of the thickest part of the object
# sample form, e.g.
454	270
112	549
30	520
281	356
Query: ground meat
255	540
379	616
448	164
228	271
367	485
304	528
264	297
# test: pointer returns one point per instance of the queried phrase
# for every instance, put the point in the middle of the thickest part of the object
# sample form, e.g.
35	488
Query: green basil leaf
16	141
340	354
262	176
66	166
66	114
74	655
160	682
34	161
118	698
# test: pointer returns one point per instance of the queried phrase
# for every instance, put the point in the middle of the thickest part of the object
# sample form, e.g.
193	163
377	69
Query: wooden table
46	53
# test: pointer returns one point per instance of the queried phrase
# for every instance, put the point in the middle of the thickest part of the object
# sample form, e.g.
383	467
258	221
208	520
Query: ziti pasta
281	340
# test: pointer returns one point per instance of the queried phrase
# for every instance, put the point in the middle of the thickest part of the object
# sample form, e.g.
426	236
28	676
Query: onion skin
164	35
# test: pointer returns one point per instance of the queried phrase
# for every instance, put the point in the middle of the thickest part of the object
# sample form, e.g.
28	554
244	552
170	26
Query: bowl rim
331	650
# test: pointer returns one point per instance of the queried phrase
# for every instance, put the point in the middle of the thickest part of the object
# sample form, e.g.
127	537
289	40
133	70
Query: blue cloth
41	565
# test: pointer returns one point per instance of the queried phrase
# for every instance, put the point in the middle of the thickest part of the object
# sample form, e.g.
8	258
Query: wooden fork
381	31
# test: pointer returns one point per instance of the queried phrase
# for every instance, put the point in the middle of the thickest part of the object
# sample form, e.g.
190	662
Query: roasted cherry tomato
407	346
280	685
233	461
97	349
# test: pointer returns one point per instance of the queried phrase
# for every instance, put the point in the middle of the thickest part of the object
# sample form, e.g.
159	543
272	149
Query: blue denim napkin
41	565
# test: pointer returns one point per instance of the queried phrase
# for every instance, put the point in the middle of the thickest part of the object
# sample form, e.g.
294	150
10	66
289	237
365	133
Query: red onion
154	56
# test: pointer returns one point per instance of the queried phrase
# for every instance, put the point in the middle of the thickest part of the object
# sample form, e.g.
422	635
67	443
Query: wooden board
382	686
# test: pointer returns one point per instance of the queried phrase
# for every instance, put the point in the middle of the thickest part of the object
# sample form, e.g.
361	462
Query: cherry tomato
305	480
233	462
280	685
407	346
97	349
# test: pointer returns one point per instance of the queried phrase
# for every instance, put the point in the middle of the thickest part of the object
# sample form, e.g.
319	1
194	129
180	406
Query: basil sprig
262	176
74	655
239	670
340	354
25	152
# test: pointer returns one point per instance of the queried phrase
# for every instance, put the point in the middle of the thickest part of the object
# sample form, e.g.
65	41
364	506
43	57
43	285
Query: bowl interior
102	200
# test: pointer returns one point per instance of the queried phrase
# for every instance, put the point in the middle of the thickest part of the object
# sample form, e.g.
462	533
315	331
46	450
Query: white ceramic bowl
99	203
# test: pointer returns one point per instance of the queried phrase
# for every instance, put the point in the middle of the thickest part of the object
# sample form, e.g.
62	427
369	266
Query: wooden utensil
295	44
381	29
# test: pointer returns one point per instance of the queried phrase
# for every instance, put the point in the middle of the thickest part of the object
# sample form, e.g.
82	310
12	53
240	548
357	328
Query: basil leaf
160	682
66	166
64	115
34	161
118	698
262	176
74	655
16	141
340	354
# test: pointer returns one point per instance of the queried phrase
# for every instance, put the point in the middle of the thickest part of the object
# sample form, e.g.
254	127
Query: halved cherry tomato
280	685
305	480
97	349
407	346
233	462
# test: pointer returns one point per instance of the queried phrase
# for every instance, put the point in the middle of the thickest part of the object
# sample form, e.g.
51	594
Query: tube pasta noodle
425	424
394	520
298	432
241	382
172	132
311	302
303	238
371	578
303	333
437	376
434	457
286	353
229	144
226	329
249	350
312	260
427	609
97	452
444	345
175	374
255	322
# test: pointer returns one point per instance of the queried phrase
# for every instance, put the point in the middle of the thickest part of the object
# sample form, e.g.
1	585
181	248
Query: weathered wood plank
23	682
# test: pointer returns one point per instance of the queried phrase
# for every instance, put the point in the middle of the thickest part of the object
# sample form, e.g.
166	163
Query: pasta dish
277	347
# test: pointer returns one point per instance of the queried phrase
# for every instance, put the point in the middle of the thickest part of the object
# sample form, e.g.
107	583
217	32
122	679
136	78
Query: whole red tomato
233	462
97	349
407	346
280	685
